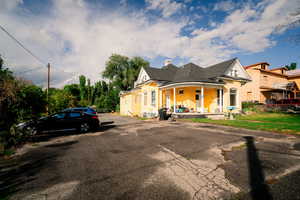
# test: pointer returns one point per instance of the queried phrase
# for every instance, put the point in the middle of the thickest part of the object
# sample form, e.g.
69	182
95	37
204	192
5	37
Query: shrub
118	108
250	106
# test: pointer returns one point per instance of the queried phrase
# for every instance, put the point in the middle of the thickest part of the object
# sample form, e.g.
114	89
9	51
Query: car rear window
74	114
59	115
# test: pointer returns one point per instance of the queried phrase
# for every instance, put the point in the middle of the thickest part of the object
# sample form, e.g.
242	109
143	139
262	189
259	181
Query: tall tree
82	87
123	71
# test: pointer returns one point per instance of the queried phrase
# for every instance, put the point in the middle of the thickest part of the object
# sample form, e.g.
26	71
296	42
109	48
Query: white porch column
160	99
202	99
221	99
174	92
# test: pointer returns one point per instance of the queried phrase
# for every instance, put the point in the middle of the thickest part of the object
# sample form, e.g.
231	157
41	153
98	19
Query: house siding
132	103
263	81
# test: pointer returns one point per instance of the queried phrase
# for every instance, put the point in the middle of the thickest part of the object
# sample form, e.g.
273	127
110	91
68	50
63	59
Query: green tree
82	87
74	90
122	71
32	102
89	89
292	66
61	99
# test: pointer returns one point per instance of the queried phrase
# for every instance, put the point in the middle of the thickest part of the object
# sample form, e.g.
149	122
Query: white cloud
77	40
124	2
167	7
225	6
10	4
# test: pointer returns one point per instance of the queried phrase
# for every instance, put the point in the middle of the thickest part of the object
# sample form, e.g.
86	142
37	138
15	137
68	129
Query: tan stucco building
268	84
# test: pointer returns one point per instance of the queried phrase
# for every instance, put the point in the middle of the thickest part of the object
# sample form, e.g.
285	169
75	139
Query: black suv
62	121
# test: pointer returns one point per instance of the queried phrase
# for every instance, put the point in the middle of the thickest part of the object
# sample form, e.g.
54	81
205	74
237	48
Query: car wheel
31	130
84	127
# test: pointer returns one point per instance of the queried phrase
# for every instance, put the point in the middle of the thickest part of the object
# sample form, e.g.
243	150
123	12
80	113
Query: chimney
168	62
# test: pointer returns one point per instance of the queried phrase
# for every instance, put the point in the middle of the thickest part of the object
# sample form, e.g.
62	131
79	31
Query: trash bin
162	114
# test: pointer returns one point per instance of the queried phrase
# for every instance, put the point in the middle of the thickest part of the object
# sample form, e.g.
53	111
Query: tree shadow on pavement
18	171
259	188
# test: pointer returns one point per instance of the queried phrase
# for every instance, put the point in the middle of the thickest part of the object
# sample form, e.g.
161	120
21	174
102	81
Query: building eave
187	84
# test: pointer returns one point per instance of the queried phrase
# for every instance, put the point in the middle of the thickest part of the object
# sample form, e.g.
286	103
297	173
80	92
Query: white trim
202	100
139	79
174	100
188	84
237	63
220	100
249	77
160	99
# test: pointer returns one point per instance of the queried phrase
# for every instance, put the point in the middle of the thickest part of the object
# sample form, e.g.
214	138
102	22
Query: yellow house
268	84
186	90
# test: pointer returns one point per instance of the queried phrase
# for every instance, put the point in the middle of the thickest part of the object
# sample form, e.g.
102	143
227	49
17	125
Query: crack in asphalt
202	181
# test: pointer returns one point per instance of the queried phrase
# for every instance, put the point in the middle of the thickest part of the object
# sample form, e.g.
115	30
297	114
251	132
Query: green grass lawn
276	122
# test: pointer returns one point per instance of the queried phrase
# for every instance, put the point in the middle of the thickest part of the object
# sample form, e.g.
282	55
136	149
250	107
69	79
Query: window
235	73
180	91
232	97
74	114
198	91
249	96
153	98
297	95
145	98
59	115
144	78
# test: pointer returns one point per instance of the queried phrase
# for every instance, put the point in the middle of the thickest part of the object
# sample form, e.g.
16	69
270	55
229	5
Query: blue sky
78	36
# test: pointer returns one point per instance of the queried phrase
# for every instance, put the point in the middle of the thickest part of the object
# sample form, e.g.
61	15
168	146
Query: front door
198	102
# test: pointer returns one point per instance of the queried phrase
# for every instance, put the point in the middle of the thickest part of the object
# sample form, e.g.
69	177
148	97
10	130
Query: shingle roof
189	72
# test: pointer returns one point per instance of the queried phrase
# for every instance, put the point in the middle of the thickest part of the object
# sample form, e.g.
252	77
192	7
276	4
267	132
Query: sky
78	36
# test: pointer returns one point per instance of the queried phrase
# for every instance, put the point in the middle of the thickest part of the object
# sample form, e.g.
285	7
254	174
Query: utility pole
48	86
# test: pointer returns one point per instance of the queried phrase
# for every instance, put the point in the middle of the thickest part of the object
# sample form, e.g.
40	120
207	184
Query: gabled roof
190	72
278	68
253	65
219	69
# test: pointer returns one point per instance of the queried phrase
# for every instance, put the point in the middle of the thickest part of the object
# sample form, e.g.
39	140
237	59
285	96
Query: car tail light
94	113
94	117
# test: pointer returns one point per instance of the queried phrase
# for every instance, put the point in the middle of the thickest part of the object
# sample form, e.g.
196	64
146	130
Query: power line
29	70
20	44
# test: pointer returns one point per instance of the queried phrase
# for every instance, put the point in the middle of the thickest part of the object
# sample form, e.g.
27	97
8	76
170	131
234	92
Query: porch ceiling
192	84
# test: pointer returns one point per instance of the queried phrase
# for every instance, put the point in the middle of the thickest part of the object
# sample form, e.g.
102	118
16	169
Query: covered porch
186	100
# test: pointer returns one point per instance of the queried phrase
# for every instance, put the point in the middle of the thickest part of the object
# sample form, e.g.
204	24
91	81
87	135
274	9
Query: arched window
232	94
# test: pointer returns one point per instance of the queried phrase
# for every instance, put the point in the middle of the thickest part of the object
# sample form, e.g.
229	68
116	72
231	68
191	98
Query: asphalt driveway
133	159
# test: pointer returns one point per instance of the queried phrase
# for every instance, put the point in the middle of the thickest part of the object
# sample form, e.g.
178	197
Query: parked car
82	109
62	121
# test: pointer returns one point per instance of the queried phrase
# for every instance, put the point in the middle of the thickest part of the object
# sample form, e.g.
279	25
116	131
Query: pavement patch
202	179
